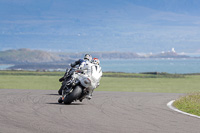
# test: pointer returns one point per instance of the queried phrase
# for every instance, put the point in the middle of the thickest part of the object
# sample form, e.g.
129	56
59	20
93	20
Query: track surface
37	111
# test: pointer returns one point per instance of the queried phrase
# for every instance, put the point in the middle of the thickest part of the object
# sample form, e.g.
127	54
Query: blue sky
141	26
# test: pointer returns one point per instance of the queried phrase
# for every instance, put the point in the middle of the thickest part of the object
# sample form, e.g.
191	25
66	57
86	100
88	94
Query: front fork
63	94
66	92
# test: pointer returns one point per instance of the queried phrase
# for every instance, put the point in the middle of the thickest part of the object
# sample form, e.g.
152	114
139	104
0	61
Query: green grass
167	83
189	103
107	74
30	73
29	82
150	75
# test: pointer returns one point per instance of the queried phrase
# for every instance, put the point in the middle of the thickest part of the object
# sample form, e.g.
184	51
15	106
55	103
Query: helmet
96	61
88	57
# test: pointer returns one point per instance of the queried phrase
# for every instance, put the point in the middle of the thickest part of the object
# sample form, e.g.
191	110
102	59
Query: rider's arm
78	62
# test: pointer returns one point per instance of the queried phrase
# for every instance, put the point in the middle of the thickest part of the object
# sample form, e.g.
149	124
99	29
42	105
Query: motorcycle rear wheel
76	93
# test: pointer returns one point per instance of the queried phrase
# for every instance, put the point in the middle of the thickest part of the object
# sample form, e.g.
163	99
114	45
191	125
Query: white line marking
169	104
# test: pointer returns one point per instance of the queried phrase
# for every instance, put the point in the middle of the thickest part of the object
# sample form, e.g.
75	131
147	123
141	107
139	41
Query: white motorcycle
75	86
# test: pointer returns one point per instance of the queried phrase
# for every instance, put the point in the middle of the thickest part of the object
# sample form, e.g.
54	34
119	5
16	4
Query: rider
97	72
95	76
87	58
80	63
85	66
90	69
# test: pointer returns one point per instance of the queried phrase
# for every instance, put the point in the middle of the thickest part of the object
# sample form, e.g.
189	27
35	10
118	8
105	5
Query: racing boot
89	95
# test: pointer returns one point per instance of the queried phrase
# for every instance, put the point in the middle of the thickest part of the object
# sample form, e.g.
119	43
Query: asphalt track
37	111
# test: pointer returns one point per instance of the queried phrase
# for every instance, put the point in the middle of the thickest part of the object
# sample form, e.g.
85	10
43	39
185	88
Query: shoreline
173	66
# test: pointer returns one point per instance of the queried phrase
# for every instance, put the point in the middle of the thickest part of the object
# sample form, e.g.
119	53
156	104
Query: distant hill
38	56
27	56
101	55
41	60
168	55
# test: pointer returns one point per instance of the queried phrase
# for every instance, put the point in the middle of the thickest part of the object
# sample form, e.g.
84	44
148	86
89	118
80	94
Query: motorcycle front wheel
61	88
74	95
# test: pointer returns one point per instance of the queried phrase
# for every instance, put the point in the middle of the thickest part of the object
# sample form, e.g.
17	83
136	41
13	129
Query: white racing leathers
96	75
90	76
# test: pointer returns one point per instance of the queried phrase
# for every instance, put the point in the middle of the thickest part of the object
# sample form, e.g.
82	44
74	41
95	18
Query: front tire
61	88
60	100
76	93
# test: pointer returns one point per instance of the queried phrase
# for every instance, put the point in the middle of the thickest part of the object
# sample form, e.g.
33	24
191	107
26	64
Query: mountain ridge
28	59
26	56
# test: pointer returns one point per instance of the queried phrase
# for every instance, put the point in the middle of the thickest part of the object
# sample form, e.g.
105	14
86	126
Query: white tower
173	50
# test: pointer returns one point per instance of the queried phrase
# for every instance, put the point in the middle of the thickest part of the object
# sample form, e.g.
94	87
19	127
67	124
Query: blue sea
179	66
5	66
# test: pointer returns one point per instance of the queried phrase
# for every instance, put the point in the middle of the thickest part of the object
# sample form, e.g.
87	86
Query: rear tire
76	93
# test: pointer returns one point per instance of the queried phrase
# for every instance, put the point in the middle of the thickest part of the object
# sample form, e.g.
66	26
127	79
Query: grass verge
165	83
189	103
